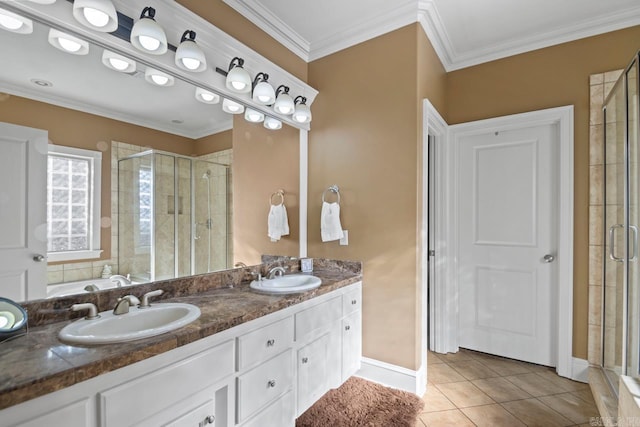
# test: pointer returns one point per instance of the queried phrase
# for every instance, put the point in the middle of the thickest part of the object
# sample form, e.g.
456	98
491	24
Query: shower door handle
634	241
612	240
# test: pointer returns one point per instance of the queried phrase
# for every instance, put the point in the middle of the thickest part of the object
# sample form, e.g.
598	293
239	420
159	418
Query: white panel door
23	199
505	230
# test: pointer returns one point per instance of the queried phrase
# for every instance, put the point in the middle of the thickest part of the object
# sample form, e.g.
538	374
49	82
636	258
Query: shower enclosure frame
630	231
176	208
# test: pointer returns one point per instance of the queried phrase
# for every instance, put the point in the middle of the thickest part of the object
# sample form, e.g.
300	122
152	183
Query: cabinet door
351	344
312	372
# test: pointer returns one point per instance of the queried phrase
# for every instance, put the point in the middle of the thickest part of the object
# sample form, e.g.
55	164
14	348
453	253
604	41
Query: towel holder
280	193
333	189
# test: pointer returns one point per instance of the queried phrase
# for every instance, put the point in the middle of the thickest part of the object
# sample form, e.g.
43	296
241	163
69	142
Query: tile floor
476	389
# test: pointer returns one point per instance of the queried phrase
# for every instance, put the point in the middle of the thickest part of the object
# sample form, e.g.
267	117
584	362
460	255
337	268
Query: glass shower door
633	270
614	221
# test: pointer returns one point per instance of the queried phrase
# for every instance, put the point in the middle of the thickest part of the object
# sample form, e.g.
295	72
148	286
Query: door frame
446	287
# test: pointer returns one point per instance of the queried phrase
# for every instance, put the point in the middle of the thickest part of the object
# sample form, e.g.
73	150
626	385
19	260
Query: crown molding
401	15
271	24
404	14
452	60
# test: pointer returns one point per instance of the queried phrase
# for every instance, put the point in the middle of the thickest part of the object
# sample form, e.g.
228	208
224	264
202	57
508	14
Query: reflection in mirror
165	188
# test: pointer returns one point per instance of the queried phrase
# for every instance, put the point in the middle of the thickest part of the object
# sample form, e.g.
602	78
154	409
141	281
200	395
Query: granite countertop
39	363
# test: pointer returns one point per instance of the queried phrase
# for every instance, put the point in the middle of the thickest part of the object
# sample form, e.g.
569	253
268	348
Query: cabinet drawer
200	416
318	318
351	301
136	400
264	383
280	413
264	343
74	415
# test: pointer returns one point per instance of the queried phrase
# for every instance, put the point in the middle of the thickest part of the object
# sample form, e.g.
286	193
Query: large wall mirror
184	185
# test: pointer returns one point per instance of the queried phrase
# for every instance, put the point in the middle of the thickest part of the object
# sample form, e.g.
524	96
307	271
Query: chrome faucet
120	280
123	304
275	272
93	310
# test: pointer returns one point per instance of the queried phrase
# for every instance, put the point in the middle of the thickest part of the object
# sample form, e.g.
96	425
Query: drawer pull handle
305	360
354	302
271	343
271	383
209	420
346	328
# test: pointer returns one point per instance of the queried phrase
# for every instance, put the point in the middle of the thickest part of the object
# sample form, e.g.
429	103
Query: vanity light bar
301	112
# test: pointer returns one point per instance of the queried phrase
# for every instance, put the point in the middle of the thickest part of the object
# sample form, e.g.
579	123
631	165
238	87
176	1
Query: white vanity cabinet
265	372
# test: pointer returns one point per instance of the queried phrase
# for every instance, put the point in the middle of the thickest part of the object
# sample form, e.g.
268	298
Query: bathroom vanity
249	360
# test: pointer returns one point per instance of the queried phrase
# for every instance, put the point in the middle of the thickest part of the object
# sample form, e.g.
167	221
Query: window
73	203
143	243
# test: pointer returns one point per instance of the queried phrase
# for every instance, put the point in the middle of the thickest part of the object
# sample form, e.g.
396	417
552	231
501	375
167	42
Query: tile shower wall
69	272
600	87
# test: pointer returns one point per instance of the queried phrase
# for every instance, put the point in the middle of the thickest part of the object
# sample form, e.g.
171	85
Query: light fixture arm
188	35
283	89
260	77
148	12
300	99
236	62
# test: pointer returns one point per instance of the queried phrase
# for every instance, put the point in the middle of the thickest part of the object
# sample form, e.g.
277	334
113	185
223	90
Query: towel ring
334	189
277	193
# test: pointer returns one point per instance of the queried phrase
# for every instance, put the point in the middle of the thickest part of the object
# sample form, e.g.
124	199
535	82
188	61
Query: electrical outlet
345	240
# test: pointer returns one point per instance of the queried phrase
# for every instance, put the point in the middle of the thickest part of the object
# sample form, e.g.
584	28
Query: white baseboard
579	370
394	376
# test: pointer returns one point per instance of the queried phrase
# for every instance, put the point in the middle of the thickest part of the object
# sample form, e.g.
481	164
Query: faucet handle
257	275
145	297
93	311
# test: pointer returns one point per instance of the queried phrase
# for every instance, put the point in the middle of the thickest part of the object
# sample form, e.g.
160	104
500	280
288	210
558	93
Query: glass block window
73	204
145	207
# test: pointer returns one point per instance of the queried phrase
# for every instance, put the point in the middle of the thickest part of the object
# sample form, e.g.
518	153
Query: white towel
330	227
278	222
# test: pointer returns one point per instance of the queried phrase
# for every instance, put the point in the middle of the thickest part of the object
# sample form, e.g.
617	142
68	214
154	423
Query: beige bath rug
359	402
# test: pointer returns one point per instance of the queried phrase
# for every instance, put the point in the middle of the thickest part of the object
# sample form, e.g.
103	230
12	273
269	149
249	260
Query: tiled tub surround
600	87
39	363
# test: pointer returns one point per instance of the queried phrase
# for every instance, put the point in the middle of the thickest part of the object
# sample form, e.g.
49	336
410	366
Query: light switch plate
345	240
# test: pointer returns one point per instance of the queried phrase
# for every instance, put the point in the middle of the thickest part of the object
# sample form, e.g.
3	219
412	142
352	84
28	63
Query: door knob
39	258
548	258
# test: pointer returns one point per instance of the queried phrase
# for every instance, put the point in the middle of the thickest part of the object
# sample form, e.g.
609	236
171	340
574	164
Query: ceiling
463	32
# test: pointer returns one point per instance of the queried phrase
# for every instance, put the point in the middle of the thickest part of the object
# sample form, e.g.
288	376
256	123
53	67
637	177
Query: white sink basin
287	284
137	324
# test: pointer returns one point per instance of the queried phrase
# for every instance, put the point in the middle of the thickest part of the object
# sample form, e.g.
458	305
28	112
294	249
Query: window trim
95	158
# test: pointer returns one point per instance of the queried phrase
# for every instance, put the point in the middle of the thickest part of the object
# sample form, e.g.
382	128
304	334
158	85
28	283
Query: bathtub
73	288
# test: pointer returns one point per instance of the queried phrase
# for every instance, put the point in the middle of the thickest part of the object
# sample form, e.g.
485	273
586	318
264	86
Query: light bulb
149	43
207	96
69	45
191	63
95	17
264	98
118	64
159	80
239	85
10	23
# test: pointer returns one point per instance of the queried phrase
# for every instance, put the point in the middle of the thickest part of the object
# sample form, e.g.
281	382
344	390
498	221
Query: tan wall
263	162
213	143
243	30
83	130
363	139
551	77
